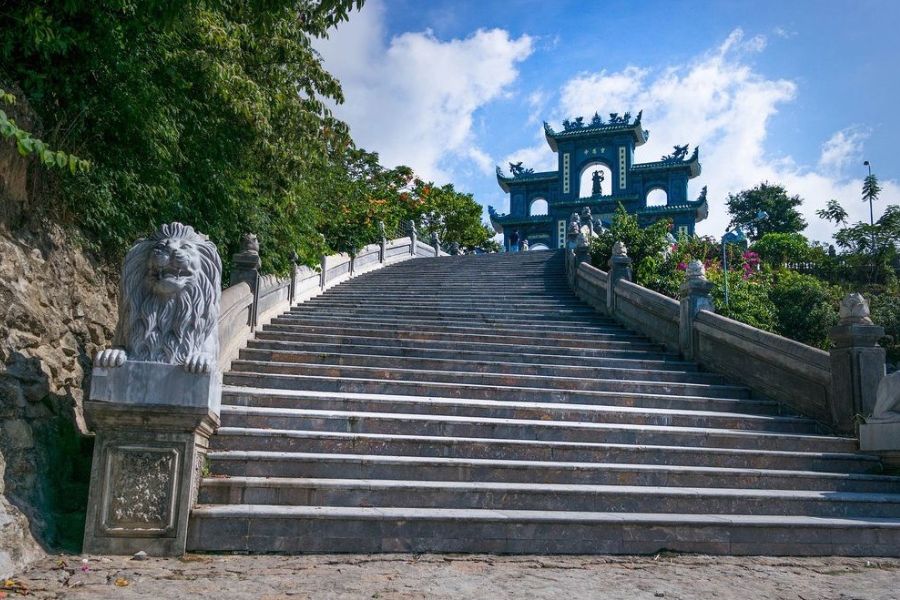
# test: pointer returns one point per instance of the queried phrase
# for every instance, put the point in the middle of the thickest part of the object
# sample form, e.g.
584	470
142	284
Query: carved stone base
882	439
148	454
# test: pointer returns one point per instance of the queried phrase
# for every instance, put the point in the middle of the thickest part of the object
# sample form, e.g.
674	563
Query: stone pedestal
694	296
153	423
882	439
857	366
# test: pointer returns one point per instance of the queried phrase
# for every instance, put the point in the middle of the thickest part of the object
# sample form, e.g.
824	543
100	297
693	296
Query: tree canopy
212	113
773	199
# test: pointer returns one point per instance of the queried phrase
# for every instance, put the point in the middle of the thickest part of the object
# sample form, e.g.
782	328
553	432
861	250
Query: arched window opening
538	207
657	197
595	177
538	246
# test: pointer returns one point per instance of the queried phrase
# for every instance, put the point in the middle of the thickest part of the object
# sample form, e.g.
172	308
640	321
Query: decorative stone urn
155	396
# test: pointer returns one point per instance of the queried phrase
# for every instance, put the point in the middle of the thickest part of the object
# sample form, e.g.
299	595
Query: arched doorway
587	180
657	197
538	207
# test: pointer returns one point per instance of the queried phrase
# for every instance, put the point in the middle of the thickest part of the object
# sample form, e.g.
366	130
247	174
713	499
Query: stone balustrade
155	395
837	388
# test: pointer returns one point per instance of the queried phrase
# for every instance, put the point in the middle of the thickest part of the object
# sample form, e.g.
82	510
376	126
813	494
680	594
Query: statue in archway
597	187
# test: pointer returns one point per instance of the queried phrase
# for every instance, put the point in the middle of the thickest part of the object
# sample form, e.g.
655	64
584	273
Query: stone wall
56	310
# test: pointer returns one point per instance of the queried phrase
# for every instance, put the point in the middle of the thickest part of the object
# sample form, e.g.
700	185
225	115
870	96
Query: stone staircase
474	404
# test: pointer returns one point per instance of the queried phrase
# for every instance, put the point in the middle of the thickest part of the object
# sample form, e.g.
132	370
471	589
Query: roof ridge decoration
517	169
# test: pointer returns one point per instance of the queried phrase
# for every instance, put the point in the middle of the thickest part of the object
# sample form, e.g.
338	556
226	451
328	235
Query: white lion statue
169	302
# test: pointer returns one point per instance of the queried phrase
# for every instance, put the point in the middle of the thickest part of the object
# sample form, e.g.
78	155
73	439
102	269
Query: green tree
783	216
777	249
645	244
805	307
210	113
453	215
833	212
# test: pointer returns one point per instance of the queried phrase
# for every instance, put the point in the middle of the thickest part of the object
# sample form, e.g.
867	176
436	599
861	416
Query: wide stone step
570	331
412	294
389	330
462	377
534	322
245	463
525	429
651	368
586	413
338	297
542	496
330	442
341	357
303	529
487	392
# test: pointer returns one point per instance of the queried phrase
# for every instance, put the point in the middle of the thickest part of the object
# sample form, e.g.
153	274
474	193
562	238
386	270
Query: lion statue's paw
111	357
198	363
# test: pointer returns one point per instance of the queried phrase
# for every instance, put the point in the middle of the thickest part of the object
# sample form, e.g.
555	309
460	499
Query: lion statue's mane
179	326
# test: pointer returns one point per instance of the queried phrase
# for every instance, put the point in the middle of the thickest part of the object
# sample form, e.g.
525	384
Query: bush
805	307
649	242
777	249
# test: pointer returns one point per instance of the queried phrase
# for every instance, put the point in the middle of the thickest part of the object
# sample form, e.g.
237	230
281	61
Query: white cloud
412	98
843	148
721	103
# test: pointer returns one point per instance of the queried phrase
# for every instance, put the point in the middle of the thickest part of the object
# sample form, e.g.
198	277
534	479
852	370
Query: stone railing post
693	296
155	397
436	243
382	251
245	267
410	227
857	363
292	292
619	268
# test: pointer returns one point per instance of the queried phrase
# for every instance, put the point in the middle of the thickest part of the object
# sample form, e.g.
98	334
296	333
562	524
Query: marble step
330	442
394	493
402	372
544	411
371	357
402	341
371	347
526	429
265	463
450	334
304	529
522	333
489	392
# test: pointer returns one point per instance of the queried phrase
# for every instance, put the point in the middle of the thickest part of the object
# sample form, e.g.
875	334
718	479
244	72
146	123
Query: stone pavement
481	577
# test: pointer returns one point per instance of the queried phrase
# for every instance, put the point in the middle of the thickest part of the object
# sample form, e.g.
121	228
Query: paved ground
406	577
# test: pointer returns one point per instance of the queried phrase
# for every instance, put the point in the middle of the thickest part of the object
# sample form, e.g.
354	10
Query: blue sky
793	92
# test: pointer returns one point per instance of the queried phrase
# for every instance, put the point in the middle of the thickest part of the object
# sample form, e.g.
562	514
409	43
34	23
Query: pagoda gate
583	147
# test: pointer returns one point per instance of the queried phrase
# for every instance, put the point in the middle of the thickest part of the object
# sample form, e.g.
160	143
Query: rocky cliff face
57	307
56	310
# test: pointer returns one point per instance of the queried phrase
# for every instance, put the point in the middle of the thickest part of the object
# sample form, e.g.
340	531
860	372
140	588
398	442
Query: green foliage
805	307
454	216
644	244
209	113
777	249
28	145
871	188
884	304
748	299
783	216
833	212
